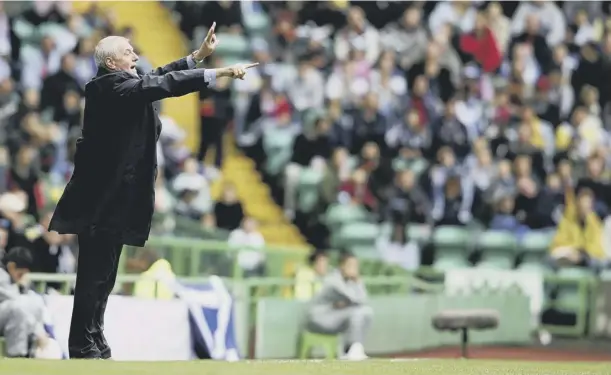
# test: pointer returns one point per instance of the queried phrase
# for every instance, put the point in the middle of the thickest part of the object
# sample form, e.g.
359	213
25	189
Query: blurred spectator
304	89
340	307
459	14
155	275
249	242
52	252
407	37
481	44
21	314
228	211
547	12
24	176
193	192
549	204
408	203
356	191
499	25
55	86
39	62
578	240
337	172
505	220
216	111
399	249
357	32
310	149
308	279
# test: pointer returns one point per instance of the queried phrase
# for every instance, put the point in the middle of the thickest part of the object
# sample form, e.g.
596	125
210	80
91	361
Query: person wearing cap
109	200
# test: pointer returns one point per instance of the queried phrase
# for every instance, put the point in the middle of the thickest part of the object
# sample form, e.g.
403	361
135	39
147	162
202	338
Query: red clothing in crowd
484	49
359	193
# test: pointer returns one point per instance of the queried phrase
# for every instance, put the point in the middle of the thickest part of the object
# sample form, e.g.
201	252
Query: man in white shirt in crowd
250	242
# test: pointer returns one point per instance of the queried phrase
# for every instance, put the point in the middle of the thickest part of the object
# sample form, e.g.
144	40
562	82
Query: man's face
125	60
68	63
15	272
412	17
350	268
355	18
321	265
47	45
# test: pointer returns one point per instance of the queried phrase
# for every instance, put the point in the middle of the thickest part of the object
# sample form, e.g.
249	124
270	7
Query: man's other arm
150	88
186	63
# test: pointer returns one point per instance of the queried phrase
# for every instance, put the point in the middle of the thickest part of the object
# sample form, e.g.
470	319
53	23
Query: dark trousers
98	263
212	136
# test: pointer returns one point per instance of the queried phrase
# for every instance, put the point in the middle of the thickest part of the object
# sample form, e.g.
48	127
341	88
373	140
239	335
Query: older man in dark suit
109	201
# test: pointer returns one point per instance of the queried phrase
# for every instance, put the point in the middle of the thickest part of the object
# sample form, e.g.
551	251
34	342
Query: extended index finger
211	30
251	65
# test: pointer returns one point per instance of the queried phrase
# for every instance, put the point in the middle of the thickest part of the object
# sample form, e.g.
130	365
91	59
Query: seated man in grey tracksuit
340	307
20	314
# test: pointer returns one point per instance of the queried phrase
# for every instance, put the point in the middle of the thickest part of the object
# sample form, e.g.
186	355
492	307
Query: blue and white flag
211	318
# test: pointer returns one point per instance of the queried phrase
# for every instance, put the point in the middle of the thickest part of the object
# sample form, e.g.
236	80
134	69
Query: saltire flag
211	319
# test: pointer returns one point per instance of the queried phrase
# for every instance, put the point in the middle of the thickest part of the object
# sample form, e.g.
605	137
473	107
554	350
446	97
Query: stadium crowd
440	113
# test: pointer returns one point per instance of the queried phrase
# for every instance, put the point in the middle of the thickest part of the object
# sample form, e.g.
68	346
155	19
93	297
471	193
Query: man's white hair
108	47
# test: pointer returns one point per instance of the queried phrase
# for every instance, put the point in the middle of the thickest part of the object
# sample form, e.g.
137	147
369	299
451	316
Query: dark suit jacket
115	166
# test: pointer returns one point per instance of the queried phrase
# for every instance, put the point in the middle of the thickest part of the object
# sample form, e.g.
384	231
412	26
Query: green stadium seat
534	248
569	297
418	166
498	249
605	275
415	165
257	23
576	273
399	164
25	31
278	146
232	45
449	262
308	189
352	234
368	252
421	233
451	247
340	214
310	340
535	266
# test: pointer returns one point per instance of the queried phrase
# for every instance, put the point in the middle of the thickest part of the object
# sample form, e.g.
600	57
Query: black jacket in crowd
112	187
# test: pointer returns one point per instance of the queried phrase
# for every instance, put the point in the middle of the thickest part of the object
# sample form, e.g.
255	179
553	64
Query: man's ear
109	64
10	266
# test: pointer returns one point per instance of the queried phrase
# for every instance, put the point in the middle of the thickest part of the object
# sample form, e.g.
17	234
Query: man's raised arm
190	62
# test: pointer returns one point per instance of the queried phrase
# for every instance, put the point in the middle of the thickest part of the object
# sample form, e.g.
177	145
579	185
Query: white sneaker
356	353
545	338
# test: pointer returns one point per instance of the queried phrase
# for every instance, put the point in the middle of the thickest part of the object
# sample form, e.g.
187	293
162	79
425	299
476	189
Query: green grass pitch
369	367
